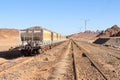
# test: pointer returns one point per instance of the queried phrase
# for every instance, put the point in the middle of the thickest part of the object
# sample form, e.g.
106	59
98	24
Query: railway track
11	64
63	64
84	54
70	61
74	65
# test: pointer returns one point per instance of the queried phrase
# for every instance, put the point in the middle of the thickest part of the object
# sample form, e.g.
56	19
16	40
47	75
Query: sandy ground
57	64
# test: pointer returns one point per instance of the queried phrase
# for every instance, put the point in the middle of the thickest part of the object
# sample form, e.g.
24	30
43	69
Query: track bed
71	60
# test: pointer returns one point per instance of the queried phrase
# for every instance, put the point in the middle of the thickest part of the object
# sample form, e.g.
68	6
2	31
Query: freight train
36	39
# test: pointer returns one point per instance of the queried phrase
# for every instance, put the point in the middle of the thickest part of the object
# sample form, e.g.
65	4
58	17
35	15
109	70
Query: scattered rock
46	59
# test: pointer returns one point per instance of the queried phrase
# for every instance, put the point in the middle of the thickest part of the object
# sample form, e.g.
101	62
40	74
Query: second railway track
84	66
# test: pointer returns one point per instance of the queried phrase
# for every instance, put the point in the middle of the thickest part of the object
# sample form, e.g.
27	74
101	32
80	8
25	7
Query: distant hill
8	33
110	32
85	36
9	37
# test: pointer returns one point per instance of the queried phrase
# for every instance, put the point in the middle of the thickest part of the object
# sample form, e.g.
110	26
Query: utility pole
86	23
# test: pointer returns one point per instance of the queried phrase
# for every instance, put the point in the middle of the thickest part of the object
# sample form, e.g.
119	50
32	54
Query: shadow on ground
11	54
101	40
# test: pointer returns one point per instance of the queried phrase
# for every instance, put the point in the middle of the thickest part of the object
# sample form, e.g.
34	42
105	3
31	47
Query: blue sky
62	16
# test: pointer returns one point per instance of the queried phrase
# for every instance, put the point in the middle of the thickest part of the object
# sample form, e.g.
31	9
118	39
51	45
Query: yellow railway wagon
46	35
36	38
39	35
59	36
54	36
63	37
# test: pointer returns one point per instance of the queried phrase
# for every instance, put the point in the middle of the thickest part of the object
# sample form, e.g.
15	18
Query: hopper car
37	39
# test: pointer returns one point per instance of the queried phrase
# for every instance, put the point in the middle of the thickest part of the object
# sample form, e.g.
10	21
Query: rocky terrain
114	31
110	37
110	32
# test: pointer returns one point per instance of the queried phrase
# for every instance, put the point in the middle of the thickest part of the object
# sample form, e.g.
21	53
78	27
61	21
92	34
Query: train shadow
11	54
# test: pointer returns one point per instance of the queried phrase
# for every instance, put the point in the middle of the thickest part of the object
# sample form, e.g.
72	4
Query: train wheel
50	47
26	54
39	51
